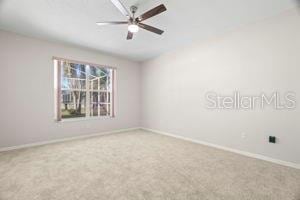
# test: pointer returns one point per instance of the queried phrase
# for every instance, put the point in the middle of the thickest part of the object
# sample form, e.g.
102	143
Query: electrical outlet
272	139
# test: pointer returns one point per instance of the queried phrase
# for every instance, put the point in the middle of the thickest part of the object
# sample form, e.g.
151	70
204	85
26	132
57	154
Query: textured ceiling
73	22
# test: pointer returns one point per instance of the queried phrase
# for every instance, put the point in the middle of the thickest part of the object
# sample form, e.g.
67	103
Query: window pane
103	83
94	109
73	104
97	72
104	110
108	109
73	76
94	84
104	97
99	78
109	81
94	103
94	97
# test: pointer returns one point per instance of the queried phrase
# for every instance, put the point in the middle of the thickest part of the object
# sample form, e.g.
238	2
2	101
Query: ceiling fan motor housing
133	9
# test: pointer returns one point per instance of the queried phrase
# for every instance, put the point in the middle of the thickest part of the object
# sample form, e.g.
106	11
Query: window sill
84	119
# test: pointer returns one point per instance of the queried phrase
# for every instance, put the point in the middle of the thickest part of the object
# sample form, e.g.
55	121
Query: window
83	90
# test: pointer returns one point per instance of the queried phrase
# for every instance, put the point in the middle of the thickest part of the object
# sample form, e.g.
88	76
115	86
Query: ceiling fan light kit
133	28
134	23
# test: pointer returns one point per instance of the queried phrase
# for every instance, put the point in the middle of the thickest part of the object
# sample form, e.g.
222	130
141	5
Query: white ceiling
73	22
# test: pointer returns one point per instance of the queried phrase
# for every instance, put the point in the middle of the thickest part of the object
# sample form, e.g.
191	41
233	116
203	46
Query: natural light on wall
83	90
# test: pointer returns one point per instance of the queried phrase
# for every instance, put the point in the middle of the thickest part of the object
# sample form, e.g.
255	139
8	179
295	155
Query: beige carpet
140	165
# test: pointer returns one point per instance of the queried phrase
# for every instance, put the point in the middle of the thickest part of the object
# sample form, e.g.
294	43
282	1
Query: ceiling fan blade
111	23
129	35
155	11
121	8
151	28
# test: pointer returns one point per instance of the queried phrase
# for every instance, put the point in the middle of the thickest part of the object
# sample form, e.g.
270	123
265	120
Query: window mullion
107	95
112	93
57	87
98	102
87	95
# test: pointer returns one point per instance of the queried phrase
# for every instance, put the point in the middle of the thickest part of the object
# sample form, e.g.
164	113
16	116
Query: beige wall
263	57
27	102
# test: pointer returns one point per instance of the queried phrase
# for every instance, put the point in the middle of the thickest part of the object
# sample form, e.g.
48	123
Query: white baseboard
252	155
66	139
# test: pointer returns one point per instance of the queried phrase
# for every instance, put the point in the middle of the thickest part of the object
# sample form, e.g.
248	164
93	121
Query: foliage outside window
83	90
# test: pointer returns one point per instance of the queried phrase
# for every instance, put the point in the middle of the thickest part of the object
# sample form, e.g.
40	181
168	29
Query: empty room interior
150	100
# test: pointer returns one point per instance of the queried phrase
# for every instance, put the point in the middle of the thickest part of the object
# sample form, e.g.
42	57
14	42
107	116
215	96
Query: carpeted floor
140	165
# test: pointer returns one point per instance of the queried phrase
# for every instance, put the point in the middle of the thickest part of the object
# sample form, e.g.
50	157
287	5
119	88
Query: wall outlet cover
272	139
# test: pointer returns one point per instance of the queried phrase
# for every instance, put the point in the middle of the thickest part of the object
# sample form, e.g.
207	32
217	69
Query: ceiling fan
134	23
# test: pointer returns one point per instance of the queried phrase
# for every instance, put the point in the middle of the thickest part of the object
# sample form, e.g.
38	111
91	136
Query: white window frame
58	63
